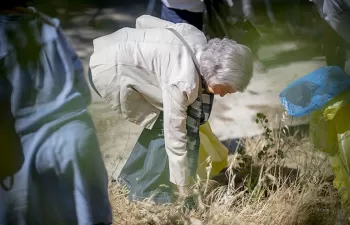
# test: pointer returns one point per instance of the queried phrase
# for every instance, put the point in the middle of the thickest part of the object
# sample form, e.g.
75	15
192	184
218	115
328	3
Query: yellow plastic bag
329	121
323	134
210	146
330	132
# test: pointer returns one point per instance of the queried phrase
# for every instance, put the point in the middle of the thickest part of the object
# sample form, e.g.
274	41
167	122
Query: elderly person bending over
163	76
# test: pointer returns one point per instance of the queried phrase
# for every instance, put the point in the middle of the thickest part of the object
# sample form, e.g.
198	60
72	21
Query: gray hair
223	61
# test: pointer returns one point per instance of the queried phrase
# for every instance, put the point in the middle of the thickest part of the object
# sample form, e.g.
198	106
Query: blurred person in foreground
163	77
63	179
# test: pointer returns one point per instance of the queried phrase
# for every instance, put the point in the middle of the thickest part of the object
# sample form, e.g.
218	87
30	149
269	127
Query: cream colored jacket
140	72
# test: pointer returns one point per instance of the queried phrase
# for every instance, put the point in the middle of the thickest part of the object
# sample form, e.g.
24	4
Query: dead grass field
294	190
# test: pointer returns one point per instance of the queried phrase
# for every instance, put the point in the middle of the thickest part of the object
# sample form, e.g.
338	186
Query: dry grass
254	192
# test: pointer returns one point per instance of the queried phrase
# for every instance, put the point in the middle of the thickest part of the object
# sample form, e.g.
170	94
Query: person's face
221	89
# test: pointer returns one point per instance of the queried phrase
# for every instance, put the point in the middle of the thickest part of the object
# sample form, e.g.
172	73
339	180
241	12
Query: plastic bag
322	134
340	162
330	132
210	146
311	92
324	124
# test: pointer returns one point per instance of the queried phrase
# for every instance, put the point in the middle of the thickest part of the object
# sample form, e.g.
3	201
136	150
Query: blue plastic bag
314	90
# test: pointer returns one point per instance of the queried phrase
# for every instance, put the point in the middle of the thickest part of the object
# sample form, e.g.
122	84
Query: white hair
223	61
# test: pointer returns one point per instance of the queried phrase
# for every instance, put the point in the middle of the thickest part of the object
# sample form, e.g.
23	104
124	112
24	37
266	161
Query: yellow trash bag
330	132
210	146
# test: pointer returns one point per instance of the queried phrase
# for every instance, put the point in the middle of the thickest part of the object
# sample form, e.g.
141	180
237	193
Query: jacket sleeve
148	22
175	103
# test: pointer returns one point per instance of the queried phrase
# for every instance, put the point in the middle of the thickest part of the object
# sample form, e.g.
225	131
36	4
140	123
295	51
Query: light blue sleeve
80	81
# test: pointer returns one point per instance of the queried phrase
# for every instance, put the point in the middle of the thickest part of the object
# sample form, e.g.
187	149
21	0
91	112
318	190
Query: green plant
267	151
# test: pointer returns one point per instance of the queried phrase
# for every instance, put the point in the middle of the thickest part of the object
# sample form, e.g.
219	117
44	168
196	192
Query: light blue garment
63	179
